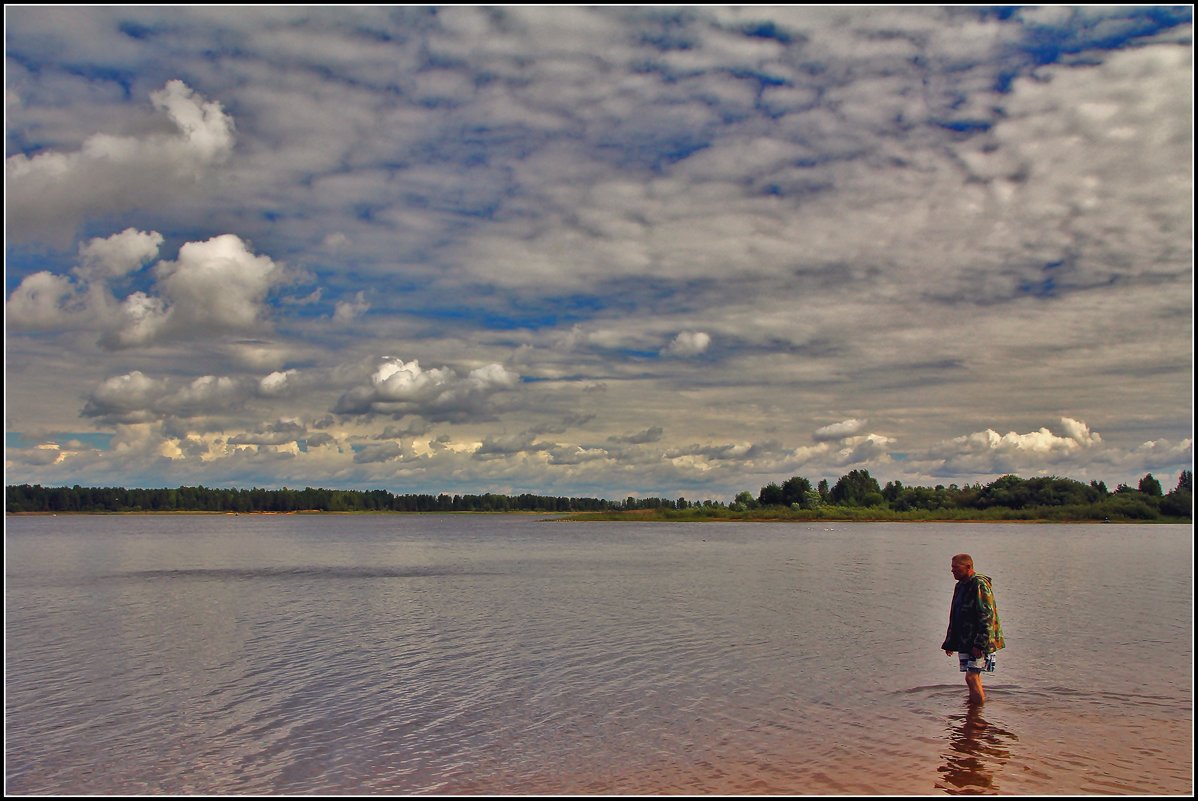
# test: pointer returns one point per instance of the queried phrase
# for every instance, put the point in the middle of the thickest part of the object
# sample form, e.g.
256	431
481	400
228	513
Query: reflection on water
976	752
399	655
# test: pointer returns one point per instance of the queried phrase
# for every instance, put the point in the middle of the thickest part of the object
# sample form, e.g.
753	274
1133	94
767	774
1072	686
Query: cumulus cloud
207	132
117	255
1164	453
988	452
400	388
1040	442
838	431
137	398
50	193
215	287
871	448
45	301
688	343
126	399
1079	432
276	382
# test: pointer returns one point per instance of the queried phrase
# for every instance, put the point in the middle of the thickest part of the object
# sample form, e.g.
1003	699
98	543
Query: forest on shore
855	496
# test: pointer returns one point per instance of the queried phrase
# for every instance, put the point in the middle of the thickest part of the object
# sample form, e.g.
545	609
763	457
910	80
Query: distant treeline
36	498
1046	497
856	495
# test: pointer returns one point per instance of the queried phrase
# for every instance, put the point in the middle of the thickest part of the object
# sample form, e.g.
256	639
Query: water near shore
469	655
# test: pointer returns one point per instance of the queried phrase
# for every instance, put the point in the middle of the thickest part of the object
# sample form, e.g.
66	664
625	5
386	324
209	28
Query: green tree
1178	503
770	495
1008	491
744	500
795	490
857	488
1150	486
1180	500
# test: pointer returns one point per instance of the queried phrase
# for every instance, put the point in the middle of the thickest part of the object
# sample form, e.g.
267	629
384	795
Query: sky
608	252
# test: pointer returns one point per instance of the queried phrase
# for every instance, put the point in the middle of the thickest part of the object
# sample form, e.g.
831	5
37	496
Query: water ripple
541	661
300	573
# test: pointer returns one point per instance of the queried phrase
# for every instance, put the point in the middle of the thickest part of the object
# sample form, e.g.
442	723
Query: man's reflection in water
977	750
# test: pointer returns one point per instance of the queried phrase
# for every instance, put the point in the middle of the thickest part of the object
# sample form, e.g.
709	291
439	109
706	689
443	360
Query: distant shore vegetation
856	496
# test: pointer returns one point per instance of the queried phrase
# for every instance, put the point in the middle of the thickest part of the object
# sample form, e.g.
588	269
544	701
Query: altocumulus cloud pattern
597	251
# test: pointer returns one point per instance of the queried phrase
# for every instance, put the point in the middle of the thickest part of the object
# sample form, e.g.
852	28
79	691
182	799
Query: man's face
961	570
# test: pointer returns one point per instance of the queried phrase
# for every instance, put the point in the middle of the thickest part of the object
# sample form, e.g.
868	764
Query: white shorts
985	664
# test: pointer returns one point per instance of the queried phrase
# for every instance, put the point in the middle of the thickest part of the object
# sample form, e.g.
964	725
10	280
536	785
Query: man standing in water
974	632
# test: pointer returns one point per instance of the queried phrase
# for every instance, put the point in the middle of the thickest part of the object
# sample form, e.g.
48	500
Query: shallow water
504	654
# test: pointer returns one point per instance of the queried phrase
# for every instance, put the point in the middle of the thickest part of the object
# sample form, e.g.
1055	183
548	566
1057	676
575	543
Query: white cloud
207	132
346	311
44	301
277	382
1044	441
117	255
838	431
41	302
1037	442
1158	453
218	284
50	193
400	388
1080	433
989	453
688	343
205	394
137	398
215	287
871	448
126	398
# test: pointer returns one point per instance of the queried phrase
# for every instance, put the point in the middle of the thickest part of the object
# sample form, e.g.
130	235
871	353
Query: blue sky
604	251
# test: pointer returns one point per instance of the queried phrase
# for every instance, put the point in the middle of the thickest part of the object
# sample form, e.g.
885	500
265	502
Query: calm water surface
480	654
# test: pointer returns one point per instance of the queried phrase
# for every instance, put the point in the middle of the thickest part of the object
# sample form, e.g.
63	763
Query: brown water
479	654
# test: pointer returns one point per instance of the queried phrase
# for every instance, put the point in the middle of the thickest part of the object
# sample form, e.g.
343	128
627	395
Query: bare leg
974	681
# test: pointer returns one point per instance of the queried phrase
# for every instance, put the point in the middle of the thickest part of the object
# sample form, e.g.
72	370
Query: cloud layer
621	250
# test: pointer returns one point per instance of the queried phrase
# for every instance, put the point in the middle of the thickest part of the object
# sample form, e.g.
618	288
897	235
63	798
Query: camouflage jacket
973	617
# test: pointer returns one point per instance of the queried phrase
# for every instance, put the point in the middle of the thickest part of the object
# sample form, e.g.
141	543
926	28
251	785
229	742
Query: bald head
962	566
